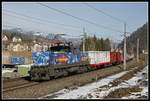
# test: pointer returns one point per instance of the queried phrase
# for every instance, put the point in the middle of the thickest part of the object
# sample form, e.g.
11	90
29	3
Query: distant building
10	47
25	47
5	42
19	40
50	36
39	44
18	47
34	41
4	38
5	46
16	39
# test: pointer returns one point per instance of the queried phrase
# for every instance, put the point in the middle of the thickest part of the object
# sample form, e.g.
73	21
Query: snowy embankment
138	80
97	90
84	90
141	80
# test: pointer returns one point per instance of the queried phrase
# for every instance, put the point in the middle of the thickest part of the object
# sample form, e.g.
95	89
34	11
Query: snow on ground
144	92
82	91
97	90
125	84
143	84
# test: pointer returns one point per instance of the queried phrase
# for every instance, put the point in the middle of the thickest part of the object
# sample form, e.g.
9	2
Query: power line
19	26
23	18
48	21
16	25
35	21
124	30
8	25
104	13
13	24
78	18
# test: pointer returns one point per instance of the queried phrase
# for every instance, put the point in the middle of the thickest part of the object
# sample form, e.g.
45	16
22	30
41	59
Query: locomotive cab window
60	48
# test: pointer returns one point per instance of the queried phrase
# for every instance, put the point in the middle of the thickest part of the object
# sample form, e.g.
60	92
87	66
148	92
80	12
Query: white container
99	57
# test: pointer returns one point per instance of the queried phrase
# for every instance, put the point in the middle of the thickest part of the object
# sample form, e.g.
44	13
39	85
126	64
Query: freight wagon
98	59
116	58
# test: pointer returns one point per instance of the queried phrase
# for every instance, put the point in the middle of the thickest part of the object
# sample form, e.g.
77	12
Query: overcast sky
134	14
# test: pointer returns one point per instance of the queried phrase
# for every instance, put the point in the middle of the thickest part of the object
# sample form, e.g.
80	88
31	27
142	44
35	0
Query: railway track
11	80
17	83
14	82
19	86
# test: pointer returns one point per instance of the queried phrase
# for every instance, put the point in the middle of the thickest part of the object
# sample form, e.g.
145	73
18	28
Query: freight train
62	61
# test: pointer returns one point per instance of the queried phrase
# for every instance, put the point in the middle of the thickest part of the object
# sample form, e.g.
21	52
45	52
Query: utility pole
84	36
124	61
138	50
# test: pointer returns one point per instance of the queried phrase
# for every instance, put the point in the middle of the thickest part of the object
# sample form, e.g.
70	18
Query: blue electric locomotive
60	60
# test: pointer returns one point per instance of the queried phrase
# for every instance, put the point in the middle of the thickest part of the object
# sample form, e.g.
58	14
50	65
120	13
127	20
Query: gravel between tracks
60	83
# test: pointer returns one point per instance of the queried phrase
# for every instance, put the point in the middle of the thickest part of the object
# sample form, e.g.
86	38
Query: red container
116	57
119	57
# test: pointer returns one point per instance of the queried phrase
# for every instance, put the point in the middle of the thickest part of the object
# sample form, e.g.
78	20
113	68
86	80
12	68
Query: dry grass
126	76
118	93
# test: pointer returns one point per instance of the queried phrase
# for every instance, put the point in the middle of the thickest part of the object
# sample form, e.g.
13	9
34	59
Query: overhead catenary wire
101	11
7	25
124	30
24	19
19	26
39	19
35	21
78	18
98	10
26	16
10	26
13	25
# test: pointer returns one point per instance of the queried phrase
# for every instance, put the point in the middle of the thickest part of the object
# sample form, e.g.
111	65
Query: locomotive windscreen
60	48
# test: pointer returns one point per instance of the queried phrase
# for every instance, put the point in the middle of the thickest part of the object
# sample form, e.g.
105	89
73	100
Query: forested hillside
142	34
96	44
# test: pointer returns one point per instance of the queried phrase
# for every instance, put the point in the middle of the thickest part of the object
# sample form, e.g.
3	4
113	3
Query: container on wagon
98	58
